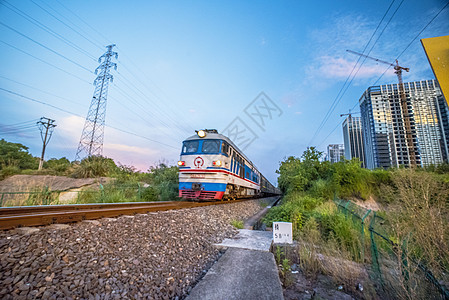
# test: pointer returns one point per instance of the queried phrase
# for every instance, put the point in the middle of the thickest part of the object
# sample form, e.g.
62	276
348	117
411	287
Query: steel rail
12	217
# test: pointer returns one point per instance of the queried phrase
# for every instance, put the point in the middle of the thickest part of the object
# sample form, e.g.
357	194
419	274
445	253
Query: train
212	168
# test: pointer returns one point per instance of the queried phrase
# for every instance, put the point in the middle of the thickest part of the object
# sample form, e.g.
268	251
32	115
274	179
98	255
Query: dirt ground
321	288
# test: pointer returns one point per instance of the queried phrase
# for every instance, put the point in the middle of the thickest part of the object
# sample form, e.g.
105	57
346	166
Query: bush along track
400	250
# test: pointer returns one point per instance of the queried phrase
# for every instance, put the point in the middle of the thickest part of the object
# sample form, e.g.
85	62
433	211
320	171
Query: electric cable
338	98
43	46
81	35
75	114
45	28
45	62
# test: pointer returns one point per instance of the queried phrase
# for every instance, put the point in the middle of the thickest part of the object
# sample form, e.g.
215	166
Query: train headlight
217	163
181	163
201	133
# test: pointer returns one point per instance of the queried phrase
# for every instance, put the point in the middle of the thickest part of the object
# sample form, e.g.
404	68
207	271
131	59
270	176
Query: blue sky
190	65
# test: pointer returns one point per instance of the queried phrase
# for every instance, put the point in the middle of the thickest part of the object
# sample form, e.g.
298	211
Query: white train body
211	167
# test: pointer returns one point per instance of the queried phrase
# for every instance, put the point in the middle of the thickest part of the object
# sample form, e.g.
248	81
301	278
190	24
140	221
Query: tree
16	155
59	165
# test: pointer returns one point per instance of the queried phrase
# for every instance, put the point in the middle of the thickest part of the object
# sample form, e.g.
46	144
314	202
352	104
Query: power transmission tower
48	124
91	142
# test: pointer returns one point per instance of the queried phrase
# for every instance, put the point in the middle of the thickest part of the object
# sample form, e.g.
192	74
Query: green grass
237	224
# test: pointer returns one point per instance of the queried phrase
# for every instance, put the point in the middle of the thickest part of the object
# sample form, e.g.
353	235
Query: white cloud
71	127
340	68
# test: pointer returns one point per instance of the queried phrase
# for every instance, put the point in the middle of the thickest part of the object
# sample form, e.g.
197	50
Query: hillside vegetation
157	183
414	218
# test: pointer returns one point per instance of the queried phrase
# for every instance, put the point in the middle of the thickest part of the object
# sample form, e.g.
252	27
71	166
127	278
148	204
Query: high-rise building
384	129
335	152
353	138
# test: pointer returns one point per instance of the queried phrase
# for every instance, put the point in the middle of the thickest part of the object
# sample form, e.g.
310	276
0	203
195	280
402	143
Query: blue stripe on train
206	186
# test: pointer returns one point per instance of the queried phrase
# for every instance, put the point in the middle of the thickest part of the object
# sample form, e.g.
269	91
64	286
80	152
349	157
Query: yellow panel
437	51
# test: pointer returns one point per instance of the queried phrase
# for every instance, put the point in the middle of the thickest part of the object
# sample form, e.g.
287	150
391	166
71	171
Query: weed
283	267
237	224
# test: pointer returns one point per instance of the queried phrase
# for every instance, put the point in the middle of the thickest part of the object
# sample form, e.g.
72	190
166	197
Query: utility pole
91	142
48	124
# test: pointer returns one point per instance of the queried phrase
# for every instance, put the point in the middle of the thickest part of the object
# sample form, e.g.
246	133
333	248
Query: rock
8	281
26	230
93	222
59	226
24	287
50	278
142	256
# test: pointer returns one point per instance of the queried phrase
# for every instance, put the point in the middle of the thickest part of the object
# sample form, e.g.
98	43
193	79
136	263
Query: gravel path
147	256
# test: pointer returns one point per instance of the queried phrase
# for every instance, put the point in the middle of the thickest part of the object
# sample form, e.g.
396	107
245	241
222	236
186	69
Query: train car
212	168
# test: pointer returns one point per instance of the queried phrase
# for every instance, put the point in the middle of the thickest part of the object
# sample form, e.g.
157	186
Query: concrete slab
249	239
240	274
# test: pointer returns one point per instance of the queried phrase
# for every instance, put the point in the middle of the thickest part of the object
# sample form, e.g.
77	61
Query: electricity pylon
91	142
48	125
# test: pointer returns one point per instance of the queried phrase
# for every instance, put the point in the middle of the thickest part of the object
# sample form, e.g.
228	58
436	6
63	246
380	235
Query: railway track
12	217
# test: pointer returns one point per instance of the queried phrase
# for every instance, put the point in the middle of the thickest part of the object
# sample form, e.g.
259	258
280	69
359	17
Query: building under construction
353	139
389	140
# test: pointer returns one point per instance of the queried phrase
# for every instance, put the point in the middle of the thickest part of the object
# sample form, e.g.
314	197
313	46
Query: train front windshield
211	146
190	147
201	146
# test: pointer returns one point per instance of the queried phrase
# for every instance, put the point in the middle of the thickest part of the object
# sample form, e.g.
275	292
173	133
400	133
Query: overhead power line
108	41
40	90
342	90
411	42
402	52
43	46
45	28
172	116
45	62
68	26
78	115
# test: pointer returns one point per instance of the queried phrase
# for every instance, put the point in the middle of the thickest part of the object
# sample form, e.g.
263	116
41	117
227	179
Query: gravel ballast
146	256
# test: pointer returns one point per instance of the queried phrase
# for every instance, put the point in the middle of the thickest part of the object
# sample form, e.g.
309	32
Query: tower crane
349	114
404	106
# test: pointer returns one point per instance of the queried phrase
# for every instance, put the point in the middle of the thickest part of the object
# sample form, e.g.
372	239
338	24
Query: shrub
8	171
338	226
165	182
322	188
59	166
149	194
296	208
420	216
94	166
310	239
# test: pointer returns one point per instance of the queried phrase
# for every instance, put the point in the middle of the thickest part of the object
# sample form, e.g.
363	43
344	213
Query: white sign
282	233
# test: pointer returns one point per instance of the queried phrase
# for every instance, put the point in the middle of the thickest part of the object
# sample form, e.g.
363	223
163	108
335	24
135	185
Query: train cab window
224	147
211	146
190	147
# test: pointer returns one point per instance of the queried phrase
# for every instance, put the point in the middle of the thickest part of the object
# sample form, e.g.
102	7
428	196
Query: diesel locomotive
212	167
